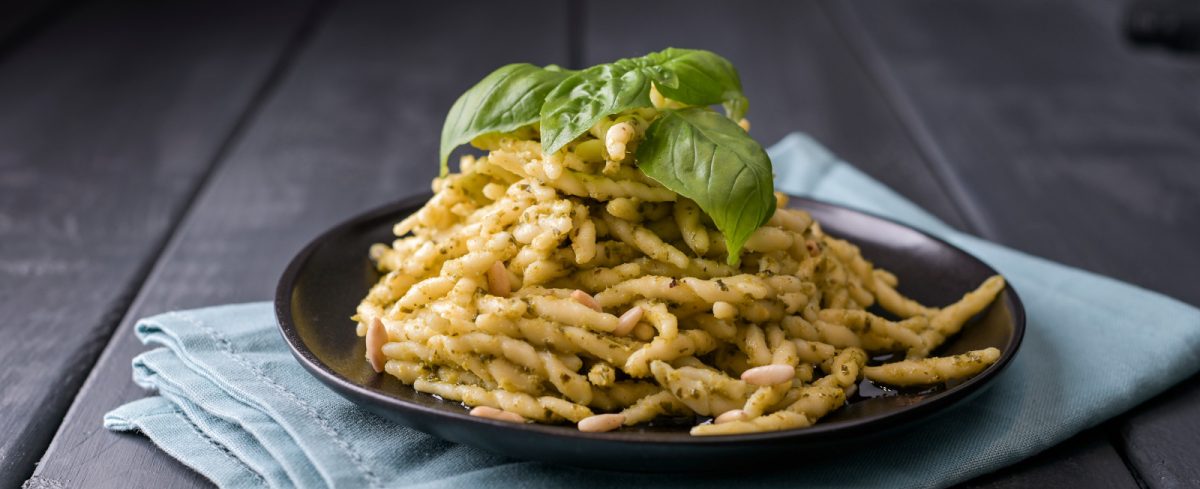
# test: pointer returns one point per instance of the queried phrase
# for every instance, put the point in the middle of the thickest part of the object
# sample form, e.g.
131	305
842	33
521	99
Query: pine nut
376	337
769	374
616	138
601	422
497	278
586	299
628	321
656	97
497	414
744	124
730	415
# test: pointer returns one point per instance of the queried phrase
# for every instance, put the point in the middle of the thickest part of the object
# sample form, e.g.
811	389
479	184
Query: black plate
321	287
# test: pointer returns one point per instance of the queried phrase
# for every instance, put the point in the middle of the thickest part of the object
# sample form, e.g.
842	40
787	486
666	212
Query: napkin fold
234	405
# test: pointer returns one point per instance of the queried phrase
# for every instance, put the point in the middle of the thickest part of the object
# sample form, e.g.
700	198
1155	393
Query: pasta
571	288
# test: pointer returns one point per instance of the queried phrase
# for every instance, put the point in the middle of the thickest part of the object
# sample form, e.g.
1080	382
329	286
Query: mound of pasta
571	287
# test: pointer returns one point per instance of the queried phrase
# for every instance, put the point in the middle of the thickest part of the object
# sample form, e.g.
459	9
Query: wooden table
164	155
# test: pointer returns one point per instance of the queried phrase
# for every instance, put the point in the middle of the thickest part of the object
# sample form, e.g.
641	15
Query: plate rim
817	432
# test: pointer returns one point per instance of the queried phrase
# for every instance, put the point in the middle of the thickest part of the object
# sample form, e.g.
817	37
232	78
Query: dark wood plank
1080	148
354	124
111	118
796	70
1087	460
1072	145
1162	437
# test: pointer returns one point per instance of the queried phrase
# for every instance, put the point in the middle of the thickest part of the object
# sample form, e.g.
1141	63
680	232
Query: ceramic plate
321	287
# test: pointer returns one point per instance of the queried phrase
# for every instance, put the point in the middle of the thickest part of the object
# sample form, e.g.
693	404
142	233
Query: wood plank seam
576	23
1115	438
278	71
842	17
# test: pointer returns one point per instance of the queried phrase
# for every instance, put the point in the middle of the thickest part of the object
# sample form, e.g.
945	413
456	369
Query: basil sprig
708	158
695	152
505	100
691	76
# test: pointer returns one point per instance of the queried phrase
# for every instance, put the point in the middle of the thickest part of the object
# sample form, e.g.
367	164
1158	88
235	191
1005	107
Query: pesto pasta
573	287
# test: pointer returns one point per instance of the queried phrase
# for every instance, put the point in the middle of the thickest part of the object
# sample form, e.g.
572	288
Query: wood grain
1071	144
1080	148
1160	438
111	118
353	125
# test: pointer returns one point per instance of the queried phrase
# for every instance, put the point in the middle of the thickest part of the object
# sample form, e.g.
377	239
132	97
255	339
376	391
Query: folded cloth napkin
235	406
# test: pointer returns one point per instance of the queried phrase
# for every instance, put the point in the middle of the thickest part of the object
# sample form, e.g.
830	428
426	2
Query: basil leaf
505	100
701	78
706	157
580	101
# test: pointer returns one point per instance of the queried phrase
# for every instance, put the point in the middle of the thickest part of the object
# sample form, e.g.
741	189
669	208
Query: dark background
157	155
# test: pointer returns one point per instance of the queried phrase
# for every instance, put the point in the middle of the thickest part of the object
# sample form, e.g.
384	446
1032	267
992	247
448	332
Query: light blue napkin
235	406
